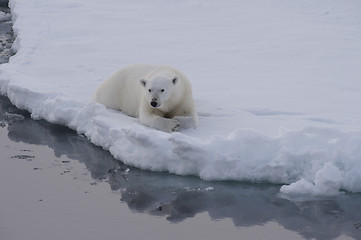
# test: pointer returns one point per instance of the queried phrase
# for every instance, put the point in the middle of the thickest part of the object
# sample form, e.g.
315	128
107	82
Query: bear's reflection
178	198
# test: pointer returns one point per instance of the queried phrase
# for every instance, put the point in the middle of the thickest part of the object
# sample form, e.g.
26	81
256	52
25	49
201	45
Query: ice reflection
177	198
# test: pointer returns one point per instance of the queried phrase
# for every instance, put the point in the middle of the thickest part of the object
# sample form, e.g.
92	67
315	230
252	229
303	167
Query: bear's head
160	91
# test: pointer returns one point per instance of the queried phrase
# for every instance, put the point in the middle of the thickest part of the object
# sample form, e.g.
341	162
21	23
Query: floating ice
276	85
11	117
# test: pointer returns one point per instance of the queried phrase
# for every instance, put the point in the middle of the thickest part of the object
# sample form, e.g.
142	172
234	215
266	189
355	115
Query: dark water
6	34
177	198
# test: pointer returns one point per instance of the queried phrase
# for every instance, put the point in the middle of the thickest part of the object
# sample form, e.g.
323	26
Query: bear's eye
162	90
149	90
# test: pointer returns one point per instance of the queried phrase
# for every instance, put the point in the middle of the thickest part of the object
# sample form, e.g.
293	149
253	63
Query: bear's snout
153	103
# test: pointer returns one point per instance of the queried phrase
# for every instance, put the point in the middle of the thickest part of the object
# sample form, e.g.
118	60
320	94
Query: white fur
134	89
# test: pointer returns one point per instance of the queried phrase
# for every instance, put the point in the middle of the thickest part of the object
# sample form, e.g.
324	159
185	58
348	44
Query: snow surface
277	84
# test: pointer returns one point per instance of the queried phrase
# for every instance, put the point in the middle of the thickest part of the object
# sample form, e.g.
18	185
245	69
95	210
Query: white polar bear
160	96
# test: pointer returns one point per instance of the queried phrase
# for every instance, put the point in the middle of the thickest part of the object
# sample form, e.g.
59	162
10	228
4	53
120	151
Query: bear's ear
143	82
175	79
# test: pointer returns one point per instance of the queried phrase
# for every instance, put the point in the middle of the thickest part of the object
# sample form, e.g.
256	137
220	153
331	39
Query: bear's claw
176	128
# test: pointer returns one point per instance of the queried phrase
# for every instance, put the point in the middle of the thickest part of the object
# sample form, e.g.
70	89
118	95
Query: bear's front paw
186	121
170	125
174	125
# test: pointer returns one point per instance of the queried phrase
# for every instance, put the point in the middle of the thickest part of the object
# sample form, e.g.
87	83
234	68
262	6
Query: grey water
166	196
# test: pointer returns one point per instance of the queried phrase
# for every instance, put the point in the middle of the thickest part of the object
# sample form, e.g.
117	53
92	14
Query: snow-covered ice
277	84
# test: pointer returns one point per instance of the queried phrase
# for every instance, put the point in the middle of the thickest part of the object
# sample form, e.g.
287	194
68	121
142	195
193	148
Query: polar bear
160	96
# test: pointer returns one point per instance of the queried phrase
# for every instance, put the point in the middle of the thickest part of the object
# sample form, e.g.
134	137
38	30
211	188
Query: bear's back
122	91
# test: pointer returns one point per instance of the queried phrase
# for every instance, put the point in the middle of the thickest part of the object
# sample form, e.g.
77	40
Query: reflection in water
178	198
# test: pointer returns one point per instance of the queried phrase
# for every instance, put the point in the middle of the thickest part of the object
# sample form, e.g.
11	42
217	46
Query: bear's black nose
154	104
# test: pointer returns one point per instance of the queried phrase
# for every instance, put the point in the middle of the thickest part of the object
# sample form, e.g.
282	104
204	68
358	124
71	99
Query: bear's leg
160	123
